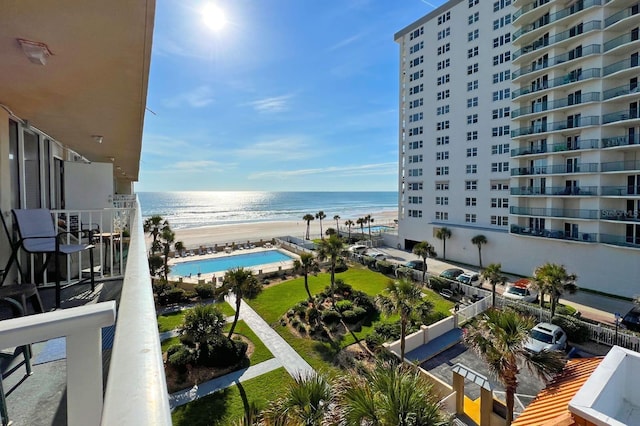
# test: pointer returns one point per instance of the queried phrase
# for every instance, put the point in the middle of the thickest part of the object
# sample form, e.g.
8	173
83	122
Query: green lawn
168	322
166	344
225	406
260	352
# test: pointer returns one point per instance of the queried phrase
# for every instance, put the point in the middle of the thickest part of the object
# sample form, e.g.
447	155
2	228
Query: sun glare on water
213	17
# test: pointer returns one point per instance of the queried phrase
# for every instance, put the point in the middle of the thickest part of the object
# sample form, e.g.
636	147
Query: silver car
546	337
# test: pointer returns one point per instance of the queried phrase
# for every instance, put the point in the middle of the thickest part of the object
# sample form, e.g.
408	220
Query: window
442	171
444	18
415	158
501	112
416	89
500	5
442	140
415	186
442	186
472	152
472	35
499	186
503	39
416	33
470	201
442	216
444	33
471	185
415	172
416	47
444	94
502	58
415	145
470	218
472	52
415	131
444	48
502	203
416	75
416	117
442	201
472	118
501	130
499	95
443	79
472	102
474	18
472	136
501	76
471	69
472	169
444	64
442	110
500	220
442	155
500	167
442	125
501	22
417	61
416	103
473	3
472	85
415	200
415	213
502	148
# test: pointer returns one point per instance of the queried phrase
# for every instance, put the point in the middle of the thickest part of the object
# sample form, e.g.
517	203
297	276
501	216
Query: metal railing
565	57
555	212
556	168
621	166
620	91
620	141
620	240
619	41
561	14
554	190
628	114
577	122
620	190
569	78
620	215
529	8
557	38
619	66
558	103
624	13
556	234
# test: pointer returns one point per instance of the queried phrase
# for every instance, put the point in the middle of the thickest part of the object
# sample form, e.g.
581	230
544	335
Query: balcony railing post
84	377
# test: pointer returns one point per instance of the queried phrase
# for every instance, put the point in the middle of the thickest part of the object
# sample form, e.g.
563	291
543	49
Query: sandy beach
254	231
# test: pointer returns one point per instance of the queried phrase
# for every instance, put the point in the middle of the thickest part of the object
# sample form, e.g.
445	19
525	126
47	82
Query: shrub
344	305
290	313
188	295
222	352
576	331
359	312
330	316
438	284
384	267
349	317
205	291
341	266
313	315
295	322
180	358
300	307
364	301
302	328
388	331
173	349
175	295
369	261
342	287
374	340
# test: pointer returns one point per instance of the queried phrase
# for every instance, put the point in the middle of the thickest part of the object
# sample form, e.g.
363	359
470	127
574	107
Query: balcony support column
84	377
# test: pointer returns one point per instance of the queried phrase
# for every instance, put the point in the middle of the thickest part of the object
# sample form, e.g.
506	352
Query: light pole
618	318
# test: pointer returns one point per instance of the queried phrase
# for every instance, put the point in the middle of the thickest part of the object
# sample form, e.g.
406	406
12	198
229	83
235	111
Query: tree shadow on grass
209	410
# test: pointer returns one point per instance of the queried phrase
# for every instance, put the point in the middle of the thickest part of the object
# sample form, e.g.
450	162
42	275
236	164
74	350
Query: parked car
520	290
546	337
377	255
631	320
358	249
452	273
468	278
418	265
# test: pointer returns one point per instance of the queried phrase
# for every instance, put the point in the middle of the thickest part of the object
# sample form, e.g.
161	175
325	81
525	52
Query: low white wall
423	336
441	327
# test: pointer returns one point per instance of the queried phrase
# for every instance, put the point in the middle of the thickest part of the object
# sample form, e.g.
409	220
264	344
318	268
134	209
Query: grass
260	351
170	342
173	320
226	406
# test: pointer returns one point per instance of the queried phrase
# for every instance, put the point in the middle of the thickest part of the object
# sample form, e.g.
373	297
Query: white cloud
345	42
196	98
273	104
286	148
197	165
344	171
163	146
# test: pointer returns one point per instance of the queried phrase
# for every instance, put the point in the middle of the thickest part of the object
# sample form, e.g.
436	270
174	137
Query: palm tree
360	221
154	226
178	247
553	279
499	338
424	250
331	249
405	299
479	240
443	234
241	283
320	215
389	395
203	323
167	237
349	223
337	218
307	264
307	218
493	274
368	220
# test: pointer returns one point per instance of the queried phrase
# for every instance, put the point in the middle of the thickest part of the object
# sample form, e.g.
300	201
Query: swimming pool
376	228
207	266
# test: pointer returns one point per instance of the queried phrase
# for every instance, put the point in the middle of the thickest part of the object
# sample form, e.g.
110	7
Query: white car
377	255
468	278
520	290
546	337
358	249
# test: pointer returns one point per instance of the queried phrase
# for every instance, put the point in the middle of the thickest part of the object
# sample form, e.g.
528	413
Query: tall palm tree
479	240
368	220
360	221
443	234
349	223
178	247
242	283
499	338
331	249
493	274
167	237
320	215
337	218
307	264
554	280
403	298
389	395
307	218
424	250
154	226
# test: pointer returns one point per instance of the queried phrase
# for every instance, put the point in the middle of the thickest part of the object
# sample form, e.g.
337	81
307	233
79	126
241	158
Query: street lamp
618	318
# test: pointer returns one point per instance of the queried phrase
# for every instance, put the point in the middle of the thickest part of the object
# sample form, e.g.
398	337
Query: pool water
207	266
376	228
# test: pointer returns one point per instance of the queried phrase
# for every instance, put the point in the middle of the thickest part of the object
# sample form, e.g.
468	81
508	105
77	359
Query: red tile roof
551	405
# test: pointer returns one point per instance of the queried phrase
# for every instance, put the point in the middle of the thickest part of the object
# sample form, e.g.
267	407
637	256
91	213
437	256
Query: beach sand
255	231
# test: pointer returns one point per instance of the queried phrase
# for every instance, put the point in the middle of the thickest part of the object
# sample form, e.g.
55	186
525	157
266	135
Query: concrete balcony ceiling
95	81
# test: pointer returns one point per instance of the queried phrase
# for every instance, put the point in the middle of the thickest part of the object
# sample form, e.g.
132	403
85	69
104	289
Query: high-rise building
519	121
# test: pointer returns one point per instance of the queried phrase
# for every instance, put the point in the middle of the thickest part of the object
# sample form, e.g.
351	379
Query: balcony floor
40	399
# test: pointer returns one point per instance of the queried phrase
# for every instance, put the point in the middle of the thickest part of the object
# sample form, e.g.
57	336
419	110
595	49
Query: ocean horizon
194	209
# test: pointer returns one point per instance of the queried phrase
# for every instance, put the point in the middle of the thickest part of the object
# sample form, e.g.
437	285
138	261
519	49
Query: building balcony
620	240
555	169
556	104
555	212
620	215
561	14
135	391
556	60
620	191
627	89
578	145
569	78
556	126
621	166
629	114
529	7
619	66
619	41
557	38
555	234
555	191
619	16
624	140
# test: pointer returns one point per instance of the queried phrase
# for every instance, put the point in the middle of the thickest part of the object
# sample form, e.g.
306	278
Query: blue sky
290	95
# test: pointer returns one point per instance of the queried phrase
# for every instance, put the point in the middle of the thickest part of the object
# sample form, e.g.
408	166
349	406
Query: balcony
135	391
623	14
620	141
555	169
559	103
620	240
555	126
620	215
620	190
555	190
528	8
619	66
619	41
561	14
554	212
569	78
621	166
557	147
554	234
627	89
565	57
629	114
557	38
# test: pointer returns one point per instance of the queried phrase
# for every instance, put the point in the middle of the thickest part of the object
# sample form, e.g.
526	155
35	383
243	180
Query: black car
452	273
415	264
632	319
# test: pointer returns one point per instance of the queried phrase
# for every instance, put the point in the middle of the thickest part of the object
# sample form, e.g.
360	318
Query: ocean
192	209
